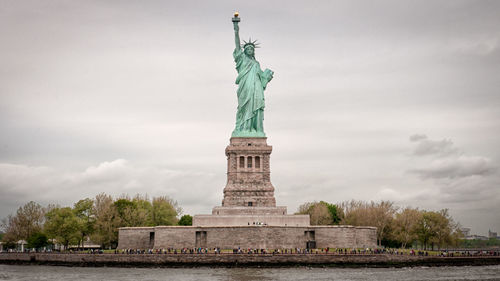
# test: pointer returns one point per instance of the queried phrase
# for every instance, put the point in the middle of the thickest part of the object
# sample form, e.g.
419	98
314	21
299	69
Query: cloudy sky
395	100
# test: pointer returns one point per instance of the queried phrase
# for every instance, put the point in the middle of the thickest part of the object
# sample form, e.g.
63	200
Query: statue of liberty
252	82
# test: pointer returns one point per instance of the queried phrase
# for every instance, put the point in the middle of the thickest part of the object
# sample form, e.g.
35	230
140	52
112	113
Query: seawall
243	260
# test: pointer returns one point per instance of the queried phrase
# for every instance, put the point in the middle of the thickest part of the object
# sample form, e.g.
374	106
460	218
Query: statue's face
249	50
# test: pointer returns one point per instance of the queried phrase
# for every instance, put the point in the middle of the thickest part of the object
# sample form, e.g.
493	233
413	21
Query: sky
371	100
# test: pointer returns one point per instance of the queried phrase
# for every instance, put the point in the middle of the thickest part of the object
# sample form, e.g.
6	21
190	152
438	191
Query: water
56	273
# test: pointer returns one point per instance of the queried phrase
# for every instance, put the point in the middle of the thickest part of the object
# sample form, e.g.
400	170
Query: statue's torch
236	17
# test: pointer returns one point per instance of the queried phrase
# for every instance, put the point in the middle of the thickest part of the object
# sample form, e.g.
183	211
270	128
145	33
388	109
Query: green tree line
478	243
396	227
97	219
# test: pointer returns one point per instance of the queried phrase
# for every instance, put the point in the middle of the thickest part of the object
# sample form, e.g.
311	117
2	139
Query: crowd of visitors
325	251
293	251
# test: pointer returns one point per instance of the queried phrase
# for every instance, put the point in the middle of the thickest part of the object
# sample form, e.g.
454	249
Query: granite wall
136	238
256	237
242	220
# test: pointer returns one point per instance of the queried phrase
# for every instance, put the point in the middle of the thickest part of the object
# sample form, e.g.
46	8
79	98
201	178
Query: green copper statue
252	82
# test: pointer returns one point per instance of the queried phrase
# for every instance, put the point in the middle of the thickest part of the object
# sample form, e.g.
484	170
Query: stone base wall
135	238
256	237
246	220
279	210
345	236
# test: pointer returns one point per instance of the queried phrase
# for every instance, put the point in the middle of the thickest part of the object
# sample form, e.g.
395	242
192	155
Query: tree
164	211
382	214
107	221
379	215
28	220
446	230
134	212
436	228
37	240
127	212
142	212
186	220
126	209
84	212
63	225
11	235
405	226
9	244
320	213
356	213
139	211
425	228
304	208
335	212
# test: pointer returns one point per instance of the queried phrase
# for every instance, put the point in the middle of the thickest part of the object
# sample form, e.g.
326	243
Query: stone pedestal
249	194
248	174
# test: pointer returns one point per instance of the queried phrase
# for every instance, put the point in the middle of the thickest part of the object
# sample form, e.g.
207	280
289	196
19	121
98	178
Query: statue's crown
250	43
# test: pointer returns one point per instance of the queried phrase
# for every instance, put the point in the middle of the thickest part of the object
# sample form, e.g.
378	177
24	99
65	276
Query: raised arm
236	20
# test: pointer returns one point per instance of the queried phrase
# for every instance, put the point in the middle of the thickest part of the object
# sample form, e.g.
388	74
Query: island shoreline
242	260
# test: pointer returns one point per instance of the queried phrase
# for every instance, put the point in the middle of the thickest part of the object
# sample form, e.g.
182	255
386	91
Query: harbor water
56	273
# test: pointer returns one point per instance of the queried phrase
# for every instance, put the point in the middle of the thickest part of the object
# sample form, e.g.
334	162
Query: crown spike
251	43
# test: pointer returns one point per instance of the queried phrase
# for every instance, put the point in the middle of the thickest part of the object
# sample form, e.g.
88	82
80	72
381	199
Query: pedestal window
242	162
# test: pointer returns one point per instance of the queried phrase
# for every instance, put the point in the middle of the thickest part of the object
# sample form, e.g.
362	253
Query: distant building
465	231
476	237
21	245
87	245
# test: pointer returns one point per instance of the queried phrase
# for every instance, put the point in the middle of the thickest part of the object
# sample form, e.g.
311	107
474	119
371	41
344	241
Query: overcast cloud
370	100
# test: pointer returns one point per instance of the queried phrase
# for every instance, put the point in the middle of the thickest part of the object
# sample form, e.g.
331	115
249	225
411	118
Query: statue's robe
252	82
